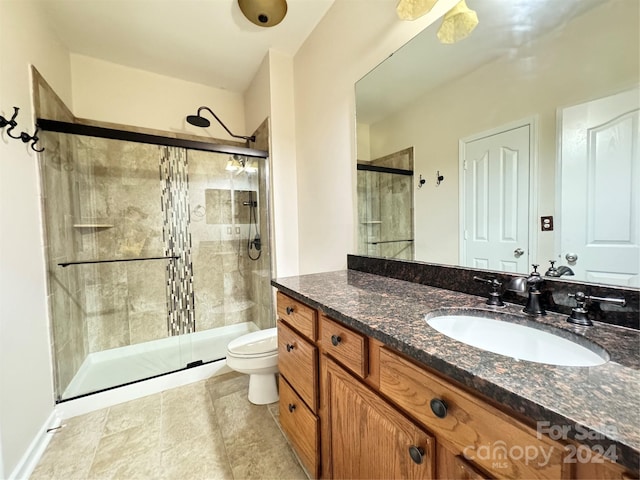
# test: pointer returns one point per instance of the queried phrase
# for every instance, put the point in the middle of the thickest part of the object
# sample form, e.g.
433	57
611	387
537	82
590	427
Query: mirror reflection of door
600	169
495	200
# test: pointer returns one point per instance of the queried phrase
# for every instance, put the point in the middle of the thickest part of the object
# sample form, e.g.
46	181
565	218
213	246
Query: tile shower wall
118	216
229	287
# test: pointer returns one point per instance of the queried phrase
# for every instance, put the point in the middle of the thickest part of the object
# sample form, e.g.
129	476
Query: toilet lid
260	343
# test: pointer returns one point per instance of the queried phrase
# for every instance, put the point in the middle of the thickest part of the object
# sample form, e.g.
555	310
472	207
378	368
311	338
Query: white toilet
256	354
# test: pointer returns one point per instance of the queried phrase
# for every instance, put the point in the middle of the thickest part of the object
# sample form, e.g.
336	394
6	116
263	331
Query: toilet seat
256	344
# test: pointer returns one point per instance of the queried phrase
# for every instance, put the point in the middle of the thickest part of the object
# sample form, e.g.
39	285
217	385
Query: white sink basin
517	341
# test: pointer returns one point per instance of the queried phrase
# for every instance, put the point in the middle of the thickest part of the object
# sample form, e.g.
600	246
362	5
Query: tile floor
206	430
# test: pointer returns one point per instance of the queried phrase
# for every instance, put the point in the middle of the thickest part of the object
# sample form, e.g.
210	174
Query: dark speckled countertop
603	400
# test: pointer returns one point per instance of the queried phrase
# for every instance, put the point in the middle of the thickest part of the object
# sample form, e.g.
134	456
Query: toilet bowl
256	354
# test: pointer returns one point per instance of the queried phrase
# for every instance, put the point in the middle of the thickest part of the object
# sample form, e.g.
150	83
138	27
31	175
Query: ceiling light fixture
457	24
412	9
264	13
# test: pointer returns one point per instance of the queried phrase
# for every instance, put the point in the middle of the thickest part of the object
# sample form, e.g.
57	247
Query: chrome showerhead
198	121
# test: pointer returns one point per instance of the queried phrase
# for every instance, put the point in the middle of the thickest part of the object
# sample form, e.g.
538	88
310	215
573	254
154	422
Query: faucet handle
579	313
494	294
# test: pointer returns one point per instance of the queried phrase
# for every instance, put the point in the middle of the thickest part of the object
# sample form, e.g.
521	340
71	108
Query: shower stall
385	206
157	253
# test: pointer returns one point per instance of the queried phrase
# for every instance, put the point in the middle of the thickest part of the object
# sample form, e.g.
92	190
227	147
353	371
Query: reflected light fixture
457	24
264	13
234	164
412	9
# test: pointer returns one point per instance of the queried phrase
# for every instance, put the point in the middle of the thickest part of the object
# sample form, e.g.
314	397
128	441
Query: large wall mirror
516	145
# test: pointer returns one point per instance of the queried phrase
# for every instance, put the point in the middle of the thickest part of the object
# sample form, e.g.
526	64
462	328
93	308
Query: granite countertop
603	401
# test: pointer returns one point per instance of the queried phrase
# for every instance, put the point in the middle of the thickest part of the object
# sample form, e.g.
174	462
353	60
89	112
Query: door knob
335	340
292	407
289	310
417	454
518	252
571	257
290	347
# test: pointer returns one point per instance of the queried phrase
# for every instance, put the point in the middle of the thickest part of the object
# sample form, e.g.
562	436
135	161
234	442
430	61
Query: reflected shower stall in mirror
385	206
535	64
150	265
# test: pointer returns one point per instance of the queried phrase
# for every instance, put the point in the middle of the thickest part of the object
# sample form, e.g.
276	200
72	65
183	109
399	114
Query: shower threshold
124	365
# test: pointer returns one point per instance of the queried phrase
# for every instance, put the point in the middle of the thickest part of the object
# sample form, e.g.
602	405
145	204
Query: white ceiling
203	41
424	63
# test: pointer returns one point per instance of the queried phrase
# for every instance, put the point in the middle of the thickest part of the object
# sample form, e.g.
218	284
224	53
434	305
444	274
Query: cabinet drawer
480	432
301	317
298	362
301	426
346	346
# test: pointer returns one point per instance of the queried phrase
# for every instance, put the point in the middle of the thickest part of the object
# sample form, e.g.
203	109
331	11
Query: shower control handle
292	407
290	347
335	340
289	310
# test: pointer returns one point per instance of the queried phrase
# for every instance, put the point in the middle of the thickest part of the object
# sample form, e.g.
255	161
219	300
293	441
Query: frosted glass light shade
457	24
412	9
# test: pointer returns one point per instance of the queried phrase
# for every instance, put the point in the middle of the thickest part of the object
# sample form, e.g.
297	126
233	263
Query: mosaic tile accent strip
176	237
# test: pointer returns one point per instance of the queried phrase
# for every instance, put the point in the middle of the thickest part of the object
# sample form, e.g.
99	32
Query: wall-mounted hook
24	136
12	122
421	182
439	178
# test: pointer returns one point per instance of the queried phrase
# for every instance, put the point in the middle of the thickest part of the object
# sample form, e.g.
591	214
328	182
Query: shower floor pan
124	365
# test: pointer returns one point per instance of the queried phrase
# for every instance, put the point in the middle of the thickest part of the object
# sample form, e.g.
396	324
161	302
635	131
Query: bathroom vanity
369	390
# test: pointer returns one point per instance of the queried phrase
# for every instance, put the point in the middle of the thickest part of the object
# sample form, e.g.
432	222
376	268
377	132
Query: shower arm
252	138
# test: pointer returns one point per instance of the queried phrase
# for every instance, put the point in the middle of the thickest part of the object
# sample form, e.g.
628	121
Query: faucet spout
532	283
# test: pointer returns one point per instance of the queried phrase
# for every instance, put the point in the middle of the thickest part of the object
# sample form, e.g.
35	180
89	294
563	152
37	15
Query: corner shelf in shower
92	225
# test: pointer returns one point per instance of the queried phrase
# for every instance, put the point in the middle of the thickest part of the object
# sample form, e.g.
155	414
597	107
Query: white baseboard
31	457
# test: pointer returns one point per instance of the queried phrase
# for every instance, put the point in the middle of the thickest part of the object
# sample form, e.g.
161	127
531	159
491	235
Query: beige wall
109	92
584	62
342	49
26	383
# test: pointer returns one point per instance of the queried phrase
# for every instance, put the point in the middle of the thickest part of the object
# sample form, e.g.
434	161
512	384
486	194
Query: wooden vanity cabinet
298	381
368	437
353	408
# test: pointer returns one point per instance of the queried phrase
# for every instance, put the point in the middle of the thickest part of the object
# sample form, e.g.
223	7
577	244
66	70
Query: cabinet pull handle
292	407
438	407
290	347
335	340
289	310
417	454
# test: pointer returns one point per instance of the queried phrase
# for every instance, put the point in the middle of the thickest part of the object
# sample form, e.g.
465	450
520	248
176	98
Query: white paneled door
600	201
495	203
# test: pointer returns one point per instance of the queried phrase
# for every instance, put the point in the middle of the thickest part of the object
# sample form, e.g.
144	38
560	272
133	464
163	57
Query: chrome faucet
558	272
532	282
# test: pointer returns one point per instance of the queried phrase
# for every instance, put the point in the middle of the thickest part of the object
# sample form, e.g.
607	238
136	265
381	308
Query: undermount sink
518	341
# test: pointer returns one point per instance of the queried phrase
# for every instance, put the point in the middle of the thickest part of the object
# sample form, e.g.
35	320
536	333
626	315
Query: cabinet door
369	439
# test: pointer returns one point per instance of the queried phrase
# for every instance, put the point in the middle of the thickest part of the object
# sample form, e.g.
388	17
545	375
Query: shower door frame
56	126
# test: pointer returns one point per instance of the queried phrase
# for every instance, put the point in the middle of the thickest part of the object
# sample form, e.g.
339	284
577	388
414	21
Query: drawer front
298	362
346	346
481	433
301	317
301	426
